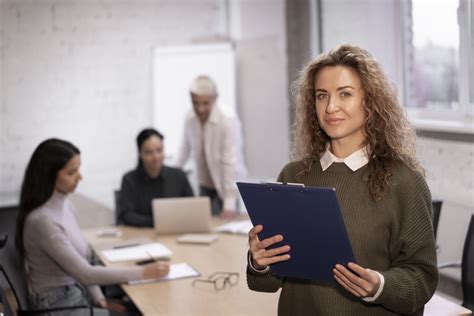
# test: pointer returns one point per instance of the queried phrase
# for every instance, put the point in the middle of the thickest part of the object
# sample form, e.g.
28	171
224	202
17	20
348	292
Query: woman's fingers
256	245
348	284
263	262
272	252
254	231
156	270
359	281
262	257
344	285
163	268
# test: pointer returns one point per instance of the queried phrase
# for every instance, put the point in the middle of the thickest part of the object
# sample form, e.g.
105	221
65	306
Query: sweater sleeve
128	210
56	244
412	279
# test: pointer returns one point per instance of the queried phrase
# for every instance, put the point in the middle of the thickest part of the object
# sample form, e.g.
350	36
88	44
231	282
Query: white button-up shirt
223	152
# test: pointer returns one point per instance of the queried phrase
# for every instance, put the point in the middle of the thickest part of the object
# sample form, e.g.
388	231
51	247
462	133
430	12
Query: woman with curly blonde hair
351	134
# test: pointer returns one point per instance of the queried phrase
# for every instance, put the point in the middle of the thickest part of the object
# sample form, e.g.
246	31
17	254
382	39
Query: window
438	63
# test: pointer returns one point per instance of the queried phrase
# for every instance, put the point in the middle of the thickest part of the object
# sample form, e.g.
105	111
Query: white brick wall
81	70
449	166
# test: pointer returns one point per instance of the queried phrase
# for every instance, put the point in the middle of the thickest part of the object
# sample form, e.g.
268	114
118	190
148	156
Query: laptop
182	215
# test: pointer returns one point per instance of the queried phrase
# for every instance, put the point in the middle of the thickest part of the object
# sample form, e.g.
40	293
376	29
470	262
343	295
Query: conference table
180	297
227	254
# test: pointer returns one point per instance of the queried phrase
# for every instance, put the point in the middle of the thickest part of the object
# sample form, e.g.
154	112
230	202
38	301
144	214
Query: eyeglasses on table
220	280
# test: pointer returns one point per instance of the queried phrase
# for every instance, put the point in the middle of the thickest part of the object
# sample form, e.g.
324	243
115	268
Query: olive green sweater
393	236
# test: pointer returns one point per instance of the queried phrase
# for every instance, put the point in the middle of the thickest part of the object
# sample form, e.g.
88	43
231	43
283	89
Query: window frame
462	119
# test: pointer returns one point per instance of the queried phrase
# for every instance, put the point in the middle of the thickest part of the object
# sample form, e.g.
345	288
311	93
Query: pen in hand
125	246
146	261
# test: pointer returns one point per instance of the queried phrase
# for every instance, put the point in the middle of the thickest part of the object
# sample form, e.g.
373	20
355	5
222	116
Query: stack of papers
238	227
177	271
137	252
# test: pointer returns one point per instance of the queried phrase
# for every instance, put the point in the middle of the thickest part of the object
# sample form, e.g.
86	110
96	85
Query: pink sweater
57	252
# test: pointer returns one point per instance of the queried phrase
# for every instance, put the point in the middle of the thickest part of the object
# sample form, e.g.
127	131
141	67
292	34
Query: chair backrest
436	204
13	278
7	296
10	262
118	220
467	268
12	267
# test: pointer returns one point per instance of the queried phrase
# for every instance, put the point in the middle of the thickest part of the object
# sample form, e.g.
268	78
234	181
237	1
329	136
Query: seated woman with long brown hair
50	240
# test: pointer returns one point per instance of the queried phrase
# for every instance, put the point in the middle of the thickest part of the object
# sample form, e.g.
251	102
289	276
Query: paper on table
177	271
139	252
109	232
238	227
205	239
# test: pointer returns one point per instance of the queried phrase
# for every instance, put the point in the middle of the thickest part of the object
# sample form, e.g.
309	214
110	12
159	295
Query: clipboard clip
301	185
297	184
288	183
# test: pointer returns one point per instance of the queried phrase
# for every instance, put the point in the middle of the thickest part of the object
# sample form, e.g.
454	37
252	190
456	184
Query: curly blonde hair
389	139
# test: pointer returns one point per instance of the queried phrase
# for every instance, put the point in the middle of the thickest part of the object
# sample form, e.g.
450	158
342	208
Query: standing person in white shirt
214	139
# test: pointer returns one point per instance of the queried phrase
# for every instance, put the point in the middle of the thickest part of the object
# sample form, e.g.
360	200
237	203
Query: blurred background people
51	242
150	180
214	140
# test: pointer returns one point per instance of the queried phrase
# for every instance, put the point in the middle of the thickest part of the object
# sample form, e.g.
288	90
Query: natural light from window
434	71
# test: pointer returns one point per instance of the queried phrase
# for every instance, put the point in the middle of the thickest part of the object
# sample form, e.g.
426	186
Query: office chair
436	205
15	290
467	268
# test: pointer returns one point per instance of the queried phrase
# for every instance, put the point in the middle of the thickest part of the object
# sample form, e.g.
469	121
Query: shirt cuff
379	291
249	260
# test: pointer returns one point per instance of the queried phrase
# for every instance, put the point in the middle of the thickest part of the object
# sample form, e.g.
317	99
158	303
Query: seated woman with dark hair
150	180
51	242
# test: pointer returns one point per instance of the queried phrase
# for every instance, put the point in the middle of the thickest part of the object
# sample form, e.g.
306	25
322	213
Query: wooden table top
179	297
227	254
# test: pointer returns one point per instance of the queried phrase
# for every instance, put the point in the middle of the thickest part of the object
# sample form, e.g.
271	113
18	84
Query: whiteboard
173	70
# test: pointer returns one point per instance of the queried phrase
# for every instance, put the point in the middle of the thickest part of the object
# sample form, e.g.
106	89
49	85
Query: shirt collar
354	161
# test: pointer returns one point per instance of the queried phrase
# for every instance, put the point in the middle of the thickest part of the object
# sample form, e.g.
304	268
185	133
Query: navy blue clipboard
310	221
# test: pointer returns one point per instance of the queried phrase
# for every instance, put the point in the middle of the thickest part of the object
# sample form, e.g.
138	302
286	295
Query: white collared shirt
354	161
223	152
